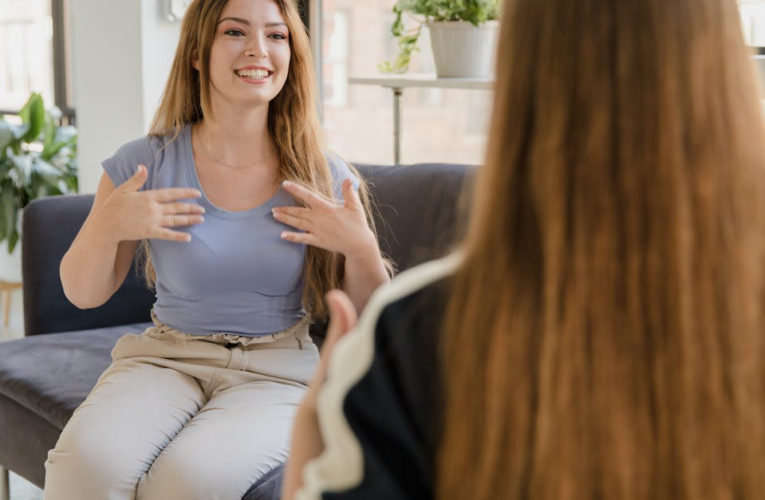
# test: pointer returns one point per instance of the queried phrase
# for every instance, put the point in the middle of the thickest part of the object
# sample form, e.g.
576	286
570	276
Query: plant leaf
6	137
473	11
5	166
8	205
47	167
64	136
3	229
66	133
33	114
407	45
13	239
49	137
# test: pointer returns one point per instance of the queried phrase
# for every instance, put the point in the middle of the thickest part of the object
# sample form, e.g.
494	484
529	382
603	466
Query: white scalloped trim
340	466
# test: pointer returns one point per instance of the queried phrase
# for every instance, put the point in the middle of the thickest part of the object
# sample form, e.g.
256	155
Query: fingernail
197	193
284	234
286	183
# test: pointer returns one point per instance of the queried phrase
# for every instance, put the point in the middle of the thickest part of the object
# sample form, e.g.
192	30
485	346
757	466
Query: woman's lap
182	418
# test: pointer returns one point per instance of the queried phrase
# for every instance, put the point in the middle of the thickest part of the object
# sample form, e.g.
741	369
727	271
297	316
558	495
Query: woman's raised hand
131	215
337	228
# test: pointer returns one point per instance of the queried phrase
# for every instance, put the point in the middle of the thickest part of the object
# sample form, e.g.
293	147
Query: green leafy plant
38	158
425	11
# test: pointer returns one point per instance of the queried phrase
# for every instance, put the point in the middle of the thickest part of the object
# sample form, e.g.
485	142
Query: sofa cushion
268	487
52	374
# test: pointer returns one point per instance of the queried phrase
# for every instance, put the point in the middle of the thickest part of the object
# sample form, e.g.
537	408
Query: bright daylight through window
438	125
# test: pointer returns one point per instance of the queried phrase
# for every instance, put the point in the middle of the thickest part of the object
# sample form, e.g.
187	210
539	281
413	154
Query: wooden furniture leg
7	308
7	288
5	484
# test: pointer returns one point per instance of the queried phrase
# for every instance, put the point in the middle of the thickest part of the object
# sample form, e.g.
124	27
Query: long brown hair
605	333
292	122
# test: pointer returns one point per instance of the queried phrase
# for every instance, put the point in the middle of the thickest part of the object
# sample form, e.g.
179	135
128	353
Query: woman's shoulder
148	150
340	170
143	148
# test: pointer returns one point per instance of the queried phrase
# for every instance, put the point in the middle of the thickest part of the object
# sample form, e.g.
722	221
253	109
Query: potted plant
37	158
463	35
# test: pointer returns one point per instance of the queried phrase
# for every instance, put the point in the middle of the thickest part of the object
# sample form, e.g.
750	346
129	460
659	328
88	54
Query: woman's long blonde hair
292	122
605	334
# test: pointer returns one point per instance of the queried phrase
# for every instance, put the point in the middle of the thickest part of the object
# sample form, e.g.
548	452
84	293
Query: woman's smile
254	75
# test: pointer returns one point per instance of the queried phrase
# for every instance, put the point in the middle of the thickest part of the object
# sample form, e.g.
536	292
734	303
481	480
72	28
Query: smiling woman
240	50
201	404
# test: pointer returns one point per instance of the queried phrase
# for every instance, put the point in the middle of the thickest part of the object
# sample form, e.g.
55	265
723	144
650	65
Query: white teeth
254	74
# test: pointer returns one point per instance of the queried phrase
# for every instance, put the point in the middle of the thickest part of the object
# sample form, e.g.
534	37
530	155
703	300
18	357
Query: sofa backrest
49	226
417	219
419	208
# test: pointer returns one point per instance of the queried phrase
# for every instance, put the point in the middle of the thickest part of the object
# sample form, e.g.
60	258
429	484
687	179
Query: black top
394	408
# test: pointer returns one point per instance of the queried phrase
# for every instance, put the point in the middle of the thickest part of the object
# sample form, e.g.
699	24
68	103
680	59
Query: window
26	47
753	21
33	53
335	83
437	124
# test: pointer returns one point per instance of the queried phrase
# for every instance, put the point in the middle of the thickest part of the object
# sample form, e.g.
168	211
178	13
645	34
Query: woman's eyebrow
237	19
246	22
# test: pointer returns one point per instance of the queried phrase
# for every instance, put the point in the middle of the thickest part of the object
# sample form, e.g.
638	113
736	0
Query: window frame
62	58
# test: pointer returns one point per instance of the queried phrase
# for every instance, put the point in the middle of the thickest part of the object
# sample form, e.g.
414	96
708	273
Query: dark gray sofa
47	374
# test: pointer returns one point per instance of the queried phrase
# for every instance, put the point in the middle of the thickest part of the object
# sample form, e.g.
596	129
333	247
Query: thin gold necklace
210	155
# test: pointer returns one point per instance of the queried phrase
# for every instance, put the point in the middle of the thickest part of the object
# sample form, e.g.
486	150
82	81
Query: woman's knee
86	454
187	477
87	463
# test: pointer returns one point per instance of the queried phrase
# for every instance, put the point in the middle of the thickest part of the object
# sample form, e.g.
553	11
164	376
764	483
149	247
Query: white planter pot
10	265
462	50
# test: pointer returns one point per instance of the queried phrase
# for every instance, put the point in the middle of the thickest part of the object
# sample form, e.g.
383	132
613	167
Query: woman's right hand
131	215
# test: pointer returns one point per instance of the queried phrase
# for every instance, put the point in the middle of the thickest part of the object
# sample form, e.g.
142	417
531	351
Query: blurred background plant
422	12
38	157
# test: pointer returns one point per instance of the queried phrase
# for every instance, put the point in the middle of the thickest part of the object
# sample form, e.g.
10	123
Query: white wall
160	39
122	51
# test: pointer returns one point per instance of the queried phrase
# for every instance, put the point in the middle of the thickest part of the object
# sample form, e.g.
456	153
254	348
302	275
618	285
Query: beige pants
183	417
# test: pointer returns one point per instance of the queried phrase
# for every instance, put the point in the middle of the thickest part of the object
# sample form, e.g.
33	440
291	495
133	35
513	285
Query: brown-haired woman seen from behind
200	405
600	335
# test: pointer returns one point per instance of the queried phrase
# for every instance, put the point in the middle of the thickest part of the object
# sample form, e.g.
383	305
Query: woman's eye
278	36
233	32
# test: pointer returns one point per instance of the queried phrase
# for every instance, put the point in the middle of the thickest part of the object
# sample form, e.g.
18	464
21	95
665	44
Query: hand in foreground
342	319
307	441
130	215
337	228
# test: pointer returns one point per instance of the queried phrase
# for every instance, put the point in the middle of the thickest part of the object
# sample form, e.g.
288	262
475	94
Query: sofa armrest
49	228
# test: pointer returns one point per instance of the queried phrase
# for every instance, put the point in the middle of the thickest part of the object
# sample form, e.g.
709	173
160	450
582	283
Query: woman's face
250	54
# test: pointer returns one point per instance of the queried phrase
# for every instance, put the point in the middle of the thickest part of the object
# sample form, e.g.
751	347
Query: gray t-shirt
236	275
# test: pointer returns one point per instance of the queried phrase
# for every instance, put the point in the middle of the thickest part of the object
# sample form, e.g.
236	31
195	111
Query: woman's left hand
337	228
